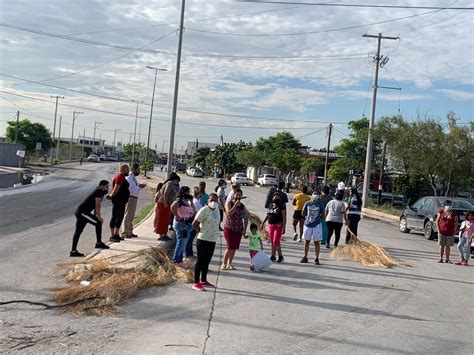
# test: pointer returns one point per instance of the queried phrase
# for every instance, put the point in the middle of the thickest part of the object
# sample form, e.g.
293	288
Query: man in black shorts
84	215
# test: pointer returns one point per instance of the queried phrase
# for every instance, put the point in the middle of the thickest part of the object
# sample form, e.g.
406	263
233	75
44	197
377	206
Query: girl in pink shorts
276	217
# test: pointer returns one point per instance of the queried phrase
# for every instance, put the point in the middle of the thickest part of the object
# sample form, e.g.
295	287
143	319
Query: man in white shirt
135	188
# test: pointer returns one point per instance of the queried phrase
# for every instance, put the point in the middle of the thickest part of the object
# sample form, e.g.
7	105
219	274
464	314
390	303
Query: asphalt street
337	307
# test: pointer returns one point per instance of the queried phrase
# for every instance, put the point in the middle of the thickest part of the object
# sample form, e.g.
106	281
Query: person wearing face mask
183	212
313	213
465	239
447	222
206	224
119	196
276	217
220	190
131	208
234	228
83	215
163	211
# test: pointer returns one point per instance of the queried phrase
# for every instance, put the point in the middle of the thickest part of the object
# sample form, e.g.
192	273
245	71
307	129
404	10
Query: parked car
93	158
197	173
267	180
112	158
240	178
189	170
421	216
180	167
102	157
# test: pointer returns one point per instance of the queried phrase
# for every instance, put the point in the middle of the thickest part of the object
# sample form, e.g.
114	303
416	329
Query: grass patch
143	213
384	208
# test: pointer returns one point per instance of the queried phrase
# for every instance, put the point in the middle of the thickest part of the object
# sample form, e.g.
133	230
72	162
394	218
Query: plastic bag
261	261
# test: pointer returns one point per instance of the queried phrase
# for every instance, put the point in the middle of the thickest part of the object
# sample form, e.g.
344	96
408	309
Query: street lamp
135	131
115	135
151	116
96	124
75	114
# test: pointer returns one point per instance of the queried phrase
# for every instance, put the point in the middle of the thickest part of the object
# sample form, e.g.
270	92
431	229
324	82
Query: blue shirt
204	198
313	213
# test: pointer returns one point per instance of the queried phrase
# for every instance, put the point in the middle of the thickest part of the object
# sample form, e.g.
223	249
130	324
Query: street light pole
93	139
151	116
75	114
176	90
59	137
54	124
135	131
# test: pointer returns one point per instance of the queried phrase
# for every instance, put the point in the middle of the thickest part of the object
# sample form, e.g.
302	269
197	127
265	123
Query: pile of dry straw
114	279
366	253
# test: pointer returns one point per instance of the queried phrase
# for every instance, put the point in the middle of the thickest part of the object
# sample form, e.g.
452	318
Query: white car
240	178
267	180
93	158
196	173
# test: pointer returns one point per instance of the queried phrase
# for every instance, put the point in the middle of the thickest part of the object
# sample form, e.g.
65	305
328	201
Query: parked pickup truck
386	198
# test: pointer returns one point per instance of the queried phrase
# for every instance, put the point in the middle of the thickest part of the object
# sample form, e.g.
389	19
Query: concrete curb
369	213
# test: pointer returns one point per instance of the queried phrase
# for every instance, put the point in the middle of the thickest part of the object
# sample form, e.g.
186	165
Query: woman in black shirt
276	217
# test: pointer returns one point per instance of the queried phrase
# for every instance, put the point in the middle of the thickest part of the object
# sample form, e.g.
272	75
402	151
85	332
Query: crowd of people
193	214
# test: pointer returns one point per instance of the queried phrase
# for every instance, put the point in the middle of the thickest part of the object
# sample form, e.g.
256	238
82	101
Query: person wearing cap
447	222
134	187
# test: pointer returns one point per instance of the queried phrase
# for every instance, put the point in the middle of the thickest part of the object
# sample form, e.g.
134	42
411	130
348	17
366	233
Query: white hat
341	186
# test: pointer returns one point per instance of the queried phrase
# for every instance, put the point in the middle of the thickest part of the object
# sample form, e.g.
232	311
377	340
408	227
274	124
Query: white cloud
458	95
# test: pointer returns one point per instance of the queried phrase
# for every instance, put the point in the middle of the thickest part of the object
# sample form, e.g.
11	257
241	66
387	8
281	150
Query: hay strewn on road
366	253
115	279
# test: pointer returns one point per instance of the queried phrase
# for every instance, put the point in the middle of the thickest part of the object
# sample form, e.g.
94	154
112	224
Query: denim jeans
189	245
464	248
183	231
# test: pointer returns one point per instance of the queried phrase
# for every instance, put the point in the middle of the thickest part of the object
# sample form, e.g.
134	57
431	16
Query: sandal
224	267
231	267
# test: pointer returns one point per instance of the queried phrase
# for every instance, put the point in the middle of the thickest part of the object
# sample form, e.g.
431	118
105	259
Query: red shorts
232	238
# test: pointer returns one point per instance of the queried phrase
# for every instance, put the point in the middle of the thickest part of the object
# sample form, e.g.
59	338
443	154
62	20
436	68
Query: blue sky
316	78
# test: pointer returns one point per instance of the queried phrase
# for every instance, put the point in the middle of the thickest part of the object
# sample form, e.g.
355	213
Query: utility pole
93	141
83	139
151	117
328	147
75	114
379	198
59	138
222	139
135	131
115	136
54	124
17	124
176	90
368	155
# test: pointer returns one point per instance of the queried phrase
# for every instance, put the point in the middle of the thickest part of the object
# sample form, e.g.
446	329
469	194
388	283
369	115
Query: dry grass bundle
366	253
114	280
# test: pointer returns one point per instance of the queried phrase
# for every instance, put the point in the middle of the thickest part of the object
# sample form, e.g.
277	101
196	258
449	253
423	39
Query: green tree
280	151
353	150
29	134
310	165
199	158
224	156
128	151
251	157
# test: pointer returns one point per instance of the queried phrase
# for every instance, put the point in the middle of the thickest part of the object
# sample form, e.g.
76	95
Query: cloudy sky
248	69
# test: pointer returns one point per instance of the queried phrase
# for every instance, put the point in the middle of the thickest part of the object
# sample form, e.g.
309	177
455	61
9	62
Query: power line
160	106
162	120
109	61
355	5
309	32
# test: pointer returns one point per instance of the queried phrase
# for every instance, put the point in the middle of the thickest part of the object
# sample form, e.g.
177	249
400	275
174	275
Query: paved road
338	307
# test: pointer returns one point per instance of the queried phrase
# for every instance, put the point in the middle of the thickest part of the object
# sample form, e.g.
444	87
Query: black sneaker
101	246
75	254
328	246
134	236
281	259
316	262
115	239
121	238
304	260
273	258
126	236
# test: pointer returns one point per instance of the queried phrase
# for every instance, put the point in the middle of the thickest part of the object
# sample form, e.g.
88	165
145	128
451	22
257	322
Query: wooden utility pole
54	124
328	147
368	155
17	125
